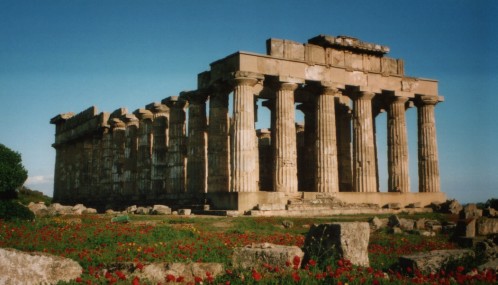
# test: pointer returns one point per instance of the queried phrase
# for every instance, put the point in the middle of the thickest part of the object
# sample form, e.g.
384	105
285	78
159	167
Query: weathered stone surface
420	224
377	223
17	267
270	207
256	255
466	228
470	211
394	206
131	209
161	210
490	213
433	261
143	210
287	224
490	265
451	206
39	209
348	240
156	272
184	212
90	211
487	226
58	209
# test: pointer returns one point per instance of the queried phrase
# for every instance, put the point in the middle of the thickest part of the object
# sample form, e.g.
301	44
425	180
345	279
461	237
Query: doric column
130	156
307	175
144	154
118	128
343	130
196	151
244	149
397	146
106	163
60	156
219	140
177	144
284	146
327	176
364	170
428	163
159	166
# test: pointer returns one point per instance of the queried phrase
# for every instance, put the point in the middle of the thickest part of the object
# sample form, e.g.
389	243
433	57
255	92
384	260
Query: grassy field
95	243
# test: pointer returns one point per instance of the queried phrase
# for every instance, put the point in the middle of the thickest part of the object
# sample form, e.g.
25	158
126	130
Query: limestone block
156	272
184	212
256	255
490	212
414	205
377	223
39	209
348	240
433	261
470	211
90	211
451	206
78	209
420	224
161	210
143	210
58	209
270	207
131	209
17	267
466	228
487	226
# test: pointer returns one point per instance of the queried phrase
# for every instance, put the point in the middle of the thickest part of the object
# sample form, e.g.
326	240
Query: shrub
12	173
11	210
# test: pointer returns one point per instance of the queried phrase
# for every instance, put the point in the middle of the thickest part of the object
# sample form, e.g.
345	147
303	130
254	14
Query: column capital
175	102
117	124
421	100
246	78
397	99
363	95
157	107
195	96
143	114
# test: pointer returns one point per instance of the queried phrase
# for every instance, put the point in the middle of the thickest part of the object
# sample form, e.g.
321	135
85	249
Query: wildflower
139	266
136	281
460	269
170	278
296	276
180	279
312	262
256	275
197	280
79	280
120	275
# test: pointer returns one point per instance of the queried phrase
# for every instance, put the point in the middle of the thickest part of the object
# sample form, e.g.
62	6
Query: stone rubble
255	255
346	240
17	267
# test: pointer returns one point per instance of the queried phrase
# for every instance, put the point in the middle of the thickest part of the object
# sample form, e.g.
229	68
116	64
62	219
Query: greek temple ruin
191	149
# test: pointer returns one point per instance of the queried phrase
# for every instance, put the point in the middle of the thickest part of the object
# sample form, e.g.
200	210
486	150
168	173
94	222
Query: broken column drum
340	84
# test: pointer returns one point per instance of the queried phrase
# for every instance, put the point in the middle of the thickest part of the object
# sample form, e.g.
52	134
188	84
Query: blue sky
61	56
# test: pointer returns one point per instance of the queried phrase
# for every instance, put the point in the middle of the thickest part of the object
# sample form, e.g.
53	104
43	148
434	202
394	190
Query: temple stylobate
339	83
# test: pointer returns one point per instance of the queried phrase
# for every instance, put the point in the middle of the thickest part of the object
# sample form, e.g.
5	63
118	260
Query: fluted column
428	162
343	131
397	146
106	163
118	128
177	144
244	149
130	156
308	173
144	157
196	151
327	176
284	148
159	167
218	140
364	170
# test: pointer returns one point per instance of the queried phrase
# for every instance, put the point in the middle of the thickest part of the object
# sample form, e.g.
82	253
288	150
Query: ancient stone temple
339	83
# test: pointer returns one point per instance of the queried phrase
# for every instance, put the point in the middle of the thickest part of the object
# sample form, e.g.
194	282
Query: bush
492	203
12	173
11	210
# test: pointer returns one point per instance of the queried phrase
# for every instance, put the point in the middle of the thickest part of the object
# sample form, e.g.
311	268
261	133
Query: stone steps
310	212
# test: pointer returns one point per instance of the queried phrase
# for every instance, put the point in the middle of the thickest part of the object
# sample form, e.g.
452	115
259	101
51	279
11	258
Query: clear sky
62	56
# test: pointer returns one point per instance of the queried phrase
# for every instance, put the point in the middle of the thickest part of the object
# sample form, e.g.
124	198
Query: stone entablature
340	84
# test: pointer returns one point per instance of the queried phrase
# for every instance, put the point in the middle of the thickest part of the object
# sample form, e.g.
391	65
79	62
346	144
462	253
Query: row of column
330	157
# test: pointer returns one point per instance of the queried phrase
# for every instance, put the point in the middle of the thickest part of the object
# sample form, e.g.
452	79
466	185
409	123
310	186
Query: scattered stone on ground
184	212
287	224
348	240
56	209
487	226
256	255
161	210
433	261
17	267
159	272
